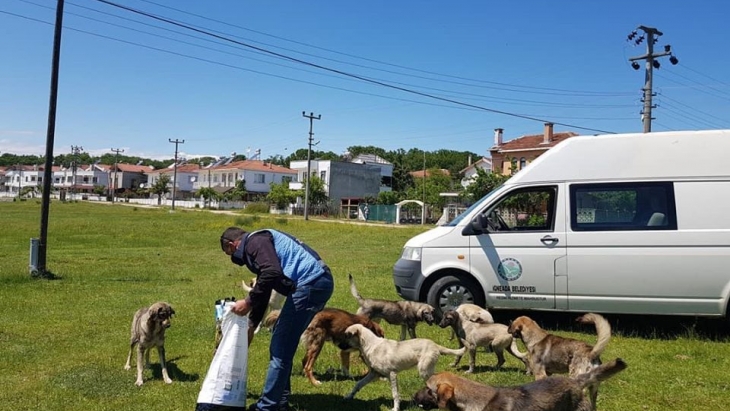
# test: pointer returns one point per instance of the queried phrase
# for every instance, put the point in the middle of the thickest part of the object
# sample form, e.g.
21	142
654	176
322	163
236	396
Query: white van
632	223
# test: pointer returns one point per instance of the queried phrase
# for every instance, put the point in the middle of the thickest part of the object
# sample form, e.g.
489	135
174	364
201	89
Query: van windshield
458	218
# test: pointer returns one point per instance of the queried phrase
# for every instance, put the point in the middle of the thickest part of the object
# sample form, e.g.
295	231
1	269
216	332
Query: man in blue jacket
287	265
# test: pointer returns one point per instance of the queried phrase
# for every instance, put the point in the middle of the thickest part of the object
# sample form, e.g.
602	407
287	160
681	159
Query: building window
323	175
259	178
523	163
215	178
286	179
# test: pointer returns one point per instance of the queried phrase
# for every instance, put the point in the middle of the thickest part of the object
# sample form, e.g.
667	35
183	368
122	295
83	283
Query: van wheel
450	292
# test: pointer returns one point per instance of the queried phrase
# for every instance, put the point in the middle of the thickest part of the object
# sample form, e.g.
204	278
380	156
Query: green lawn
63	343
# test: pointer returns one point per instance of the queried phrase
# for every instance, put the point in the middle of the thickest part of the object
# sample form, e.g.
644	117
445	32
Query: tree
161	187
483	183
317	193
430	188
281	195
208	193
238	193
99	190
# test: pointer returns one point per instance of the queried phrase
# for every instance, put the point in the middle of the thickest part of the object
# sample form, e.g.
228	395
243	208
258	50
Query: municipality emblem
509	269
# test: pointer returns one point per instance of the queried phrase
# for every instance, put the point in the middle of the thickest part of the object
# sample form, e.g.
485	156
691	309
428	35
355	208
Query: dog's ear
172	311
444	393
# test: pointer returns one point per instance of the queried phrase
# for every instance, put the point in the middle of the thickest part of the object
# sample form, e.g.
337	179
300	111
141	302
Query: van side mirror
478	225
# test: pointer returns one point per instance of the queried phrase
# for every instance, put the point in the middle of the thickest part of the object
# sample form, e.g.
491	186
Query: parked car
633	223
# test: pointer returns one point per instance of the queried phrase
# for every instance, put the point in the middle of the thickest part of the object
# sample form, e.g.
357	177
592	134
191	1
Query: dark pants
298	311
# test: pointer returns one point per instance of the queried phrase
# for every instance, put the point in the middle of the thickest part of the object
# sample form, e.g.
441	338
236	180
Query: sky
230	76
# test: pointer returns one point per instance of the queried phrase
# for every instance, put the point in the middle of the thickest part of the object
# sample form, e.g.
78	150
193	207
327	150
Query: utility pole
423	208
174	171
652	36
116	161
311	118
75	150
38	248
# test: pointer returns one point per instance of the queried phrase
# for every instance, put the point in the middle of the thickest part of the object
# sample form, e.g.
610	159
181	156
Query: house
523	149
83	179
470	172
256	174
129	176
364	176
184	178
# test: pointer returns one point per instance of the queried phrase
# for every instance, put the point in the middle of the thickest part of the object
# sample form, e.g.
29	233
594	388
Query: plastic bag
224	387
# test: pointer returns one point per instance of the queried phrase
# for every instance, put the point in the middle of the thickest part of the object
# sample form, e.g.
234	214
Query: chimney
498	137
547	136
469	160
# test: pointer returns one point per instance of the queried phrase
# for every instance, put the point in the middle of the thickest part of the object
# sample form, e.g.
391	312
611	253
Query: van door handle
547	240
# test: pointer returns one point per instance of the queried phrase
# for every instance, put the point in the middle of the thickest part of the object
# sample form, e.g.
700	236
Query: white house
470	172
257	174
184	177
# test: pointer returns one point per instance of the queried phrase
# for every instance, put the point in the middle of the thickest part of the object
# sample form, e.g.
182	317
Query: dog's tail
459	353
601	373
271	319
603	329
353	289
514	350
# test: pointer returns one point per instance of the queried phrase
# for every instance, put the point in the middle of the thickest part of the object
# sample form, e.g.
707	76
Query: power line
607	93
380	83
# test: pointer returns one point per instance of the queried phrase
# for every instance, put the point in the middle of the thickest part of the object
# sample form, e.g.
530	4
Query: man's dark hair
230	235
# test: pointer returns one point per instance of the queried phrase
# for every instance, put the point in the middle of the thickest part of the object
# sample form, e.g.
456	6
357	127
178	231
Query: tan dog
404	313
474	335
475	314
388	357
276	301
148	331
330	324
450	392
551	354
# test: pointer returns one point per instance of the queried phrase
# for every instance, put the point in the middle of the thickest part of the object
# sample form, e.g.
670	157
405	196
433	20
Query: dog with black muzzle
404	313
148	330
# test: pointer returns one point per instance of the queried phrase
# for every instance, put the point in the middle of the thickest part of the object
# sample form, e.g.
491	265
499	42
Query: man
285	264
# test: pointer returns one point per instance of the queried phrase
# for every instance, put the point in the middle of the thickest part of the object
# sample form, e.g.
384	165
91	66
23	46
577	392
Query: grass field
63	343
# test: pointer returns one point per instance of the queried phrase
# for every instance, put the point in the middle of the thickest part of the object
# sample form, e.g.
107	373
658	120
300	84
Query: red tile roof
419	173
133	168
254	165
185	168
534	141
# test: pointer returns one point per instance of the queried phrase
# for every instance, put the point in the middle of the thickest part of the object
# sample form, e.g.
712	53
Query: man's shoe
252	407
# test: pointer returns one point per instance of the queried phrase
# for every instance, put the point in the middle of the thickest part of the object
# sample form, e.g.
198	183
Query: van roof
645	156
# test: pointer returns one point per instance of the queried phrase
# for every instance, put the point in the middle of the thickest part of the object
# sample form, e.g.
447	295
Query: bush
256	208
246	221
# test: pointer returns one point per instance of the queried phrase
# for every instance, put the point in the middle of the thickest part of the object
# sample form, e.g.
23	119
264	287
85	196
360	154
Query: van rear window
623	206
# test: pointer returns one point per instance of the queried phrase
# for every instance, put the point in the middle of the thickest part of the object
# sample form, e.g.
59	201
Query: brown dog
148	331
450	392
404	313
550	354
330	325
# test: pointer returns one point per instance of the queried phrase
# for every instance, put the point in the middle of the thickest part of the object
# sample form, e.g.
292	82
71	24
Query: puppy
404	313
550	354
450	392
473	313
148	330
492	336
388	357
330	324
276	301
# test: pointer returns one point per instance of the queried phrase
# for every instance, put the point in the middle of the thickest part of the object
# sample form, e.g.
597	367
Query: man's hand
241	307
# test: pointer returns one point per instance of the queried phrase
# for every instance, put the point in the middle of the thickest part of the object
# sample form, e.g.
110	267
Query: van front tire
450	292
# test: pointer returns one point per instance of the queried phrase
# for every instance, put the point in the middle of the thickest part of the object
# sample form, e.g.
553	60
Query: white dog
276	301
388	357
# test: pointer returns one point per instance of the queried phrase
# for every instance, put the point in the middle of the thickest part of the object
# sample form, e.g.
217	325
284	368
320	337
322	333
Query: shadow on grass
640	326
175	373
336	375
478	369
312	402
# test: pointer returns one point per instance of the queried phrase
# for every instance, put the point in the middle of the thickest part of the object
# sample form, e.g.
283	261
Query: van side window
622	206
530	209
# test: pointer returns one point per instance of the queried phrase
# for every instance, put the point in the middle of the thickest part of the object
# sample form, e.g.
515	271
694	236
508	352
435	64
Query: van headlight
411	253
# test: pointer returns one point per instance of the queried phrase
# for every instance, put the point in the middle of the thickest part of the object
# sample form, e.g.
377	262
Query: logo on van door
509	269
